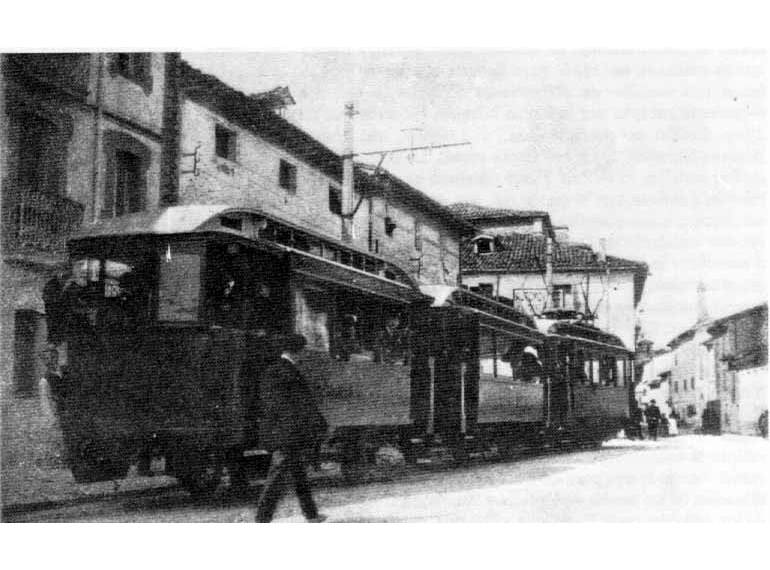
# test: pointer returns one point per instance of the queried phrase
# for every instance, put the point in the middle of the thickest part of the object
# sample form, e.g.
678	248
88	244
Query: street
689	478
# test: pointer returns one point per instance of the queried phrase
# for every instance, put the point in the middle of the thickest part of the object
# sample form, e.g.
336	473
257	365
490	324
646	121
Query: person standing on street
653	419
292	427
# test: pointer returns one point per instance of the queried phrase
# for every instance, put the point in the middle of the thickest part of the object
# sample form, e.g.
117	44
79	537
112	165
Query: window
179	285
483	289
390	226
224	140
485	245
126	174
692	383
335	203
128	187
676	387
287	176
113	293
40	167
135	67
561	295
417	235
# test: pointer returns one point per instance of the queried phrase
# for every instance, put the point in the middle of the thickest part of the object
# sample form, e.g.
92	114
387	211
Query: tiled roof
475	212
516	252
524	253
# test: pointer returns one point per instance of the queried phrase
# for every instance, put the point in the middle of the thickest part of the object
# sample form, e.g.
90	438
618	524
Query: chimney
562	233
703	313
347	173
548	271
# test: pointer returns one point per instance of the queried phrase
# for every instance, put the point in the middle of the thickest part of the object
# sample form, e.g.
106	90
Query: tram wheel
200	475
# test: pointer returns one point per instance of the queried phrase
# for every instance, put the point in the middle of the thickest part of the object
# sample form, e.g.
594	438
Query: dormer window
484	244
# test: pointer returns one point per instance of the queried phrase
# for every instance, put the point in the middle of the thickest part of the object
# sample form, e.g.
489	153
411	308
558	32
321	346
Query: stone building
236	150
84	136
739	346
511	262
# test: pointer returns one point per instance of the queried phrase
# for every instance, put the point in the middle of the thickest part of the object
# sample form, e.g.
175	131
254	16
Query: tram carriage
495	377
169	319
169	324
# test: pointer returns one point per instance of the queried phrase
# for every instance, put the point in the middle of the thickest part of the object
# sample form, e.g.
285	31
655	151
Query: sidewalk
24	486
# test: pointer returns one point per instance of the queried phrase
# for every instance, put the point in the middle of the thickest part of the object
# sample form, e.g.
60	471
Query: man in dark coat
291	428
653	419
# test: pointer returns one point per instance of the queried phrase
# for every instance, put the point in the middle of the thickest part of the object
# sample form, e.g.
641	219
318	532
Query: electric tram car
168	319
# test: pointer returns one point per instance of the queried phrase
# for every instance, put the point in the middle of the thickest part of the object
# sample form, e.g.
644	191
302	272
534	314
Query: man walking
292	426
653	419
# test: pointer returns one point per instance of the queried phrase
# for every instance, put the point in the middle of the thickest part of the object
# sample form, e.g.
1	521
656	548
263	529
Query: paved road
683	479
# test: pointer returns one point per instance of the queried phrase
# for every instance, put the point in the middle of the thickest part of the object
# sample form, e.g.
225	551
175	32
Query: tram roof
582	332
374	274
172	220
493	313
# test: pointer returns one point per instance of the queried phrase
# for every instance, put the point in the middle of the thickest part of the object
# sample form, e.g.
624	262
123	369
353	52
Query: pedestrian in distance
653	419
292	428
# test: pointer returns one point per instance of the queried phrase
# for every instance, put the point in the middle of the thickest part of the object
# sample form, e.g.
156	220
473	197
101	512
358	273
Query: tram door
446	383
559	385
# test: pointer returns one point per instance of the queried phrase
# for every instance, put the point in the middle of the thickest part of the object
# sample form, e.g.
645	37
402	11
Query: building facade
692	390
739	346
85	136
515	266
236	151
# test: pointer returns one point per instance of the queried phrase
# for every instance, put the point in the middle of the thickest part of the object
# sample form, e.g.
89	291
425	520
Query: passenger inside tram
530	368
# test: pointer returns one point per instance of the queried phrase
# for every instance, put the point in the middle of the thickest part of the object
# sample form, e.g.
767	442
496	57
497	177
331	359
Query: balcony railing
35	222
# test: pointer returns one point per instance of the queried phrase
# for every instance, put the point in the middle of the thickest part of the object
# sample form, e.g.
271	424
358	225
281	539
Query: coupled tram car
166	321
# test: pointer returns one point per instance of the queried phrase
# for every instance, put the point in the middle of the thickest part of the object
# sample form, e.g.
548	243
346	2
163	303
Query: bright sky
661	153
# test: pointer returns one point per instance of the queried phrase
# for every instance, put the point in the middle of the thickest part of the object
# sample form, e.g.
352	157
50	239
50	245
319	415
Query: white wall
752	397
616	312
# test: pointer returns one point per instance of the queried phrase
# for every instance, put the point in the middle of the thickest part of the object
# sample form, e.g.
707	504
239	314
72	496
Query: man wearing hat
291	428
653	419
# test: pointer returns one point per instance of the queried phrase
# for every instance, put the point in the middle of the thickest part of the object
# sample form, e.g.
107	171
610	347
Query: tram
168	318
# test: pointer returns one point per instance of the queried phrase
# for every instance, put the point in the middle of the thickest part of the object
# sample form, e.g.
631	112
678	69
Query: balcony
35	223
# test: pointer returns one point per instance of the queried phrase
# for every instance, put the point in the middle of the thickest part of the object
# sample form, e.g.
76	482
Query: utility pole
548	273
347	173
348	208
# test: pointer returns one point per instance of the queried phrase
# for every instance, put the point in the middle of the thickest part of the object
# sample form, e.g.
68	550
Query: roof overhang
324	270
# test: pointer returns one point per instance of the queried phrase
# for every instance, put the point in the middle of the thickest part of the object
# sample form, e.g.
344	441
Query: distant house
692	376
655	381
739	345
495	221
512	265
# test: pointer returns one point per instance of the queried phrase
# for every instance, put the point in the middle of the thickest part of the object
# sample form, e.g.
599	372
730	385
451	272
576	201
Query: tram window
505	357
620	369
577	368
314	309
243	289
608	371
592	370
179	287
110	293
487	352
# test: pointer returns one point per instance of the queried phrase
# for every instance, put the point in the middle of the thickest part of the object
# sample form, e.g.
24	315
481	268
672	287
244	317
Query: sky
661	153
